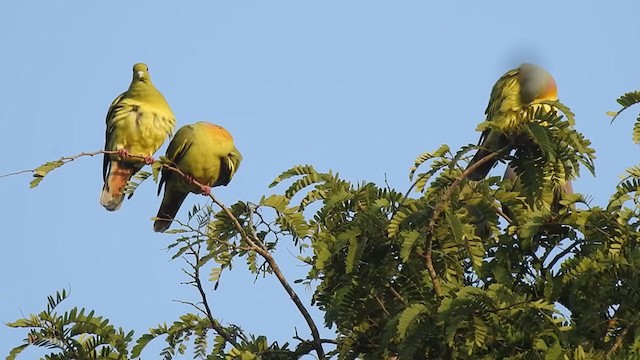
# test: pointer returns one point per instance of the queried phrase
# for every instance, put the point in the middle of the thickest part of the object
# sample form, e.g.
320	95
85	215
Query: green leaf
135	181
16	351
41	171
422	158
408	240
278	202
294	171
408	317
455	225
541	138
214	274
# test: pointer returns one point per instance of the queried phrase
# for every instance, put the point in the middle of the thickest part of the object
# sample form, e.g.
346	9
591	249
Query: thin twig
200	233
397	295
503	215
191	304
560	255
17	173
382	306
285	284
438	210
198	284
253	240
437	287
619	340
66	159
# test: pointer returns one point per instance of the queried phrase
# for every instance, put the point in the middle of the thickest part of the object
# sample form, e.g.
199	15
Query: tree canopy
449	268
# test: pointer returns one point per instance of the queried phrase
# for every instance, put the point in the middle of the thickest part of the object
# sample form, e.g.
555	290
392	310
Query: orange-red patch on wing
218	131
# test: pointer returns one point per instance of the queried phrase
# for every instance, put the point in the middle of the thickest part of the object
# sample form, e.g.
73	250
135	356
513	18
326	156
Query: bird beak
140	74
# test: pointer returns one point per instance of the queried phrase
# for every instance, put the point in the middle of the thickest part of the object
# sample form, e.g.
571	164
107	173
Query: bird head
536	84
141	72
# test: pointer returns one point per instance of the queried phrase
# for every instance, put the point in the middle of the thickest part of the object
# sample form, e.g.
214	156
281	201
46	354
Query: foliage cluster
450	269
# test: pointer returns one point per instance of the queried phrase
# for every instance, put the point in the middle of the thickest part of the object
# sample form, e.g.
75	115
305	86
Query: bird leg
206	190
149	160
123	154
189	179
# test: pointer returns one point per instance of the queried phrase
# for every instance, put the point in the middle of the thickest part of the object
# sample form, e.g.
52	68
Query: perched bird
138	122
512	95
205	153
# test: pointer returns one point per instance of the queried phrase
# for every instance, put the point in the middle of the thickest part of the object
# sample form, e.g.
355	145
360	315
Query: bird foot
149	160
190	179
123	154
206	190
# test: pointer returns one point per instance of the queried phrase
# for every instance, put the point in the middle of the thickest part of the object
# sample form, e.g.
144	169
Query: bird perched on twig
203	152
512	98
138	122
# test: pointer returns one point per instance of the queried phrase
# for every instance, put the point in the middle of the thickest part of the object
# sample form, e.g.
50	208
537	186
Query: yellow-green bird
512	95
138	122
204	152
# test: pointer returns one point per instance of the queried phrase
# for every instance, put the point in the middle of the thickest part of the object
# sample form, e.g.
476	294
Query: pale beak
140	74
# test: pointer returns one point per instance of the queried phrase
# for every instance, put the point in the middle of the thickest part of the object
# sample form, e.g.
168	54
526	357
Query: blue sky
360	87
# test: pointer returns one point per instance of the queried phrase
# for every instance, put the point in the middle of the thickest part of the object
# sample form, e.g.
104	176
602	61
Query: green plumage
511	96
138	122
206	153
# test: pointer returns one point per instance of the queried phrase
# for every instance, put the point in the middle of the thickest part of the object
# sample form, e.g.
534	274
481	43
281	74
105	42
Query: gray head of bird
141	72
536	84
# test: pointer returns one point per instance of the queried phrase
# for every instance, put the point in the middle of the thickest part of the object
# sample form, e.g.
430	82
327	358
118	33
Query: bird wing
109	133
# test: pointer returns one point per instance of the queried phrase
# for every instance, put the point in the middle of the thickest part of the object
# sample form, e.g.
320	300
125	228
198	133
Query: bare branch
257	246
191	304
382	305
214	323
397	295
66	159
561	255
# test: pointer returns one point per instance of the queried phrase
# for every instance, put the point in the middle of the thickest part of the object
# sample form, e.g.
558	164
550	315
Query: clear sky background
360	87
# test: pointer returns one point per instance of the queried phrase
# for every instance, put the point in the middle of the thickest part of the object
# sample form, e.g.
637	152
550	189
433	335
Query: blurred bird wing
502	94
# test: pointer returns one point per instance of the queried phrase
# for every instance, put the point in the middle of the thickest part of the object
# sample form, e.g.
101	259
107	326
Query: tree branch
252	239
560	255
198	284
437	287
66	159
257	246
619	340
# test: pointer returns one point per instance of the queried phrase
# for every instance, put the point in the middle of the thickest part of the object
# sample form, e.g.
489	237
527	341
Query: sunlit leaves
73	334
408	317
626	101
135	181
41	171
449	268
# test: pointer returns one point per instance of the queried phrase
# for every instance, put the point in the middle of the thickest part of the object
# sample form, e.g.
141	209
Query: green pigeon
512	95
138	122
204	152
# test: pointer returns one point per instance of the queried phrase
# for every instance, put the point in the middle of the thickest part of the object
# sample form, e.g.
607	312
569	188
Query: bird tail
113	190
481	172
171	202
